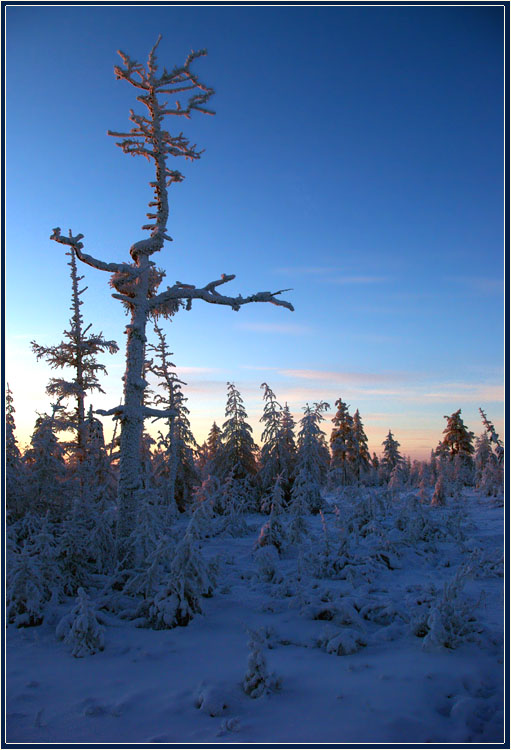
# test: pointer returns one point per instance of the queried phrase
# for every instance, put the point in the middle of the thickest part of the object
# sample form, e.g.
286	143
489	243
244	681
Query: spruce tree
47	478
457	439
313	457
270	452
361	458
78	352
287	451
14	468
237	451
493	436
342	446
137	283
391	455
178	472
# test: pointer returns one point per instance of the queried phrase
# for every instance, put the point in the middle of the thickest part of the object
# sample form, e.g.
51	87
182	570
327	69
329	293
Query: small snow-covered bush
267	562
80	628
346	641
451	618
190	578
258	681
439	492
210	700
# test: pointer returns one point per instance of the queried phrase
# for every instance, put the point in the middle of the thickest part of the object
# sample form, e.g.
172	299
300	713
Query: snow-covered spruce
313	457
272	531
80	628
173	596
15	479
77	351
258	681
177	473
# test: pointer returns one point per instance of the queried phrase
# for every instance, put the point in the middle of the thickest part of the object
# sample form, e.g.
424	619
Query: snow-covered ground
353	626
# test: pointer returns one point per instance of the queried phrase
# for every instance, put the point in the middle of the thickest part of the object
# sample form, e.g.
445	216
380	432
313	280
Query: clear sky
356	156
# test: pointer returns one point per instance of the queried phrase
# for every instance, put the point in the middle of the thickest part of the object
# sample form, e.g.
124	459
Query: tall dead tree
137	283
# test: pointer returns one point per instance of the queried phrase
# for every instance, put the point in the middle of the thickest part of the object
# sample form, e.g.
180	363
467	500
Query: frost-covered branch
100	265
209	294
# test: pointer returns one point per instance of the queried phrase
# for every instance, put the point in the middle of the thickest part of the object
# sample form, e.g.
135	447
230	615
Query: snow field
185	685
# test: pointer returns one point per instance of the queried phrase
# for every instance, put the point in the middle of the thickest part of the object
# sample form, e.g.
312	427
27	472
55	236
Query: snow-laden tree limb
159	413
100	265
115	411
209	294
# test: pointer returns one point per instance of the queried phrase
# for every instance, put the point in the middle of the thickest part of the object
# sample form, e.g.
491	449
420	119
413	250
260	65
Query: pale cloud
197	370
346	377
468	392
286	328
257	368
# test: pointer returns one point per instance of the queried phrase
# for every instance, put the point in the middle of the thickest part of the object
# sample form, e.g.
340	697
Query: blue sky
356	156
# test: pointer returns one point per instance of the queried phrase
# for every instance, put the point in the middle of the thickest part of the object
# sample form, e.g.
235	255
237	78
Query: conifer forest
301	590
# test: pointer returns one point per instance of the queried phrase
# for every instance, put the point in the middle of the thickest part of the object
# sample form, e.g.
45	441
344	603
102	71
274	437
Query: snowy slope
185	685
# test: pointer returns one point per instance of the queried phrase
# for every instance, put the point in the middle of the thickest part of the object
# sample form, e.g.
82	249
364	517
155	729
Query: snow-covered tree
211	448
237	451
272	531
80	629
270	451
361	458
78	352
26	590
391	455
457	439
100	482
14	468
136	284
258	681
47	485
178	472
179	598
342	446
493	436
439	492
287	451
312	459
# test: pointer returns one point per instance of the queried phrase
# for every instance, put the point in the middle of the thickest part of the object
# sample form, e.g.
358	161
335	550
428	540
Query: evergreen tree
80	629
47	485
270	451
342	446
178	472
214	442
14	467
99	477
391	456
78	351
457	439
272	531
287	451
313	457
136	284
493	436
361	458
237	451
